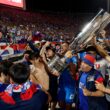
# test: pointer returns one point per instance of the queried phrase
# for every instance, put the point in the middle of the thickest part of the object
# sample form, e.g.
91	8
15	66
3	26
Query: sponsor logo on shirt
81	85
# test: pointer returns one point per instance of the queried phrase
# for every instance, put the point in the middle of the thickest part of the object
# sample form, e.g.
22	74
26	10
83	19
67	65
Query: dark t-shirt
37	102
3	87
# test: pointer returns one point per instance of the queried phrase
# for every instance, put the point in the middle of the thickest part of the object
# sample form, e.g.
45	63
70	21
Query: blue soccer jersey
83	105
87	80
66	89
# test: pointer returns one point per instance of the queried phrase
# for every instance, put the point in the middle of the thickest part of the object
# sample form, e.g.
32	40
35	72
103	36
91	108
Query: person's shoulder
37	102
98	76
97	73
74	58
3	86
40	94
40	98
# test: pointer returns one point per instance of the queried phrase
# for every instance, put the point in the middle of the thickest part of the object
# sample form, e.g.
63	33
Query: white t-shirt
104	67
108	84
101	65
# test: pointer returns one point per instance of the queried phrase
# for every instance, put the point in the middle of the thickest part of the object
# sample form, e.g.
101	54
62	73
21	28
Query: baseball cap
89	59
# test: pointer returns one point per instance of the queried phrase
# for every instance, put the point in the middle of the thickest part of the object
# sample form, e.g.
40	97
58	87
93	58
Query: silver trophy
94	27
56	64
97	24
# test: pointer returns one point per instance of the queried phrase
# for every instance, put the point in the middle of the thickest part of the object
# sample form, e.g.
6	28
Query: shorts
66	95
66	88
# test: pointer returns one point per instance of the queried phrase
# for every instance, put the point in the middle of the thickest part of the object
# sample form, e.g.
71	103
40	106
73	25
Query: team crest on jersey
97	66
90	78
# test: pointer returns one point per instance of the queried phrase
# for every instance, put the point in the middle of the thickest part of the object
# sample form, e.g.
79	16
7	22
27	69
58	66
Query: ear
91	67
11	81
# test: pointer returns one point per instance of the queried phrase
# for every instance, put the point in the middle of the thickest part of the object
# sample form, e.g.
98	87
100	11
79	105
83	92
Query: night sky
73	6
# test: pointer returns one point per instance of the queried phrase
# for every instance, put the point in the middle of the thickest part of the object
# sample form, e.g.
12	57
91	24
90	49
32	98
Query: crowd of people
44	26
52	76
83	83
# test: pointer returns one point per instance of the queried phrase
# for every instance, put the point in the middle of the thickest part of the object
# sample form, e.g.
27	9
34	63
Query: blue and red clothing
23	97
87	79
33	47
67	85
3	86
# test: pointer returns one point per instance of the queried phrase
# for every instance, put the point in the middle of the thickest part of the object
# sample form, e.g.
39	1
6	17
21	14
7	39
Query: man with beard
67	83
89	97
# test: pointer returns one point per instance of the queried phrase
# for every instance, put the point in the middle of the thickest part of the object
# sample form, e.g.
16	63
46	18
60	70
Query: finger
96	82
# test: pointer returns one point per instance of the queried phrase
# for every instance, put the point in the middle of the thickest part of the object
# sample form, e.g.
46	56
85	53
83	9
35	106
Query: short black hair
91	48
57	44
66	43
50	48
20	73
28	52
34	55
4	67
